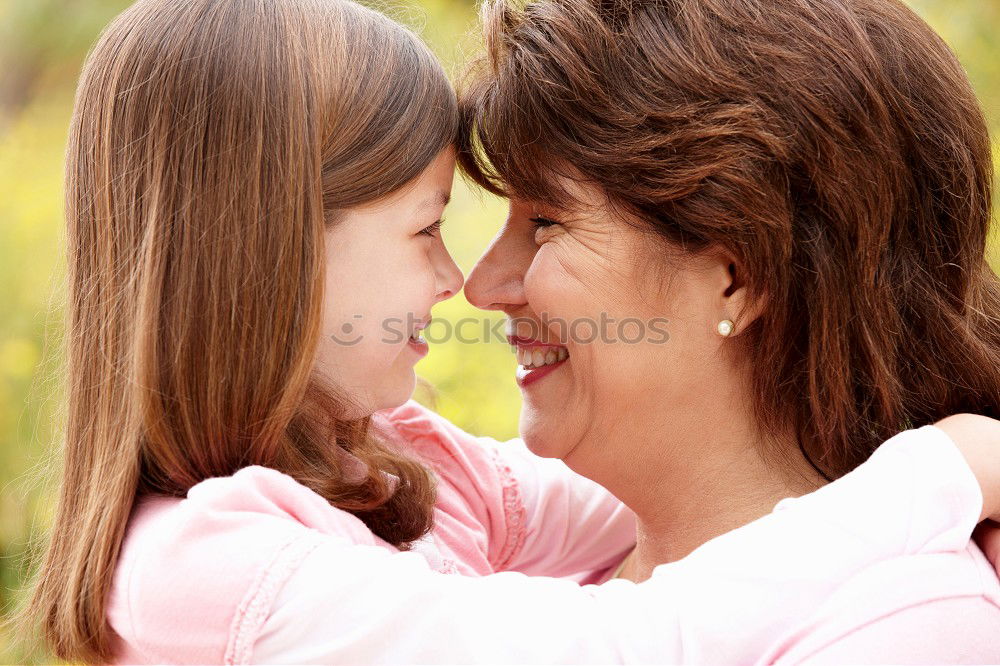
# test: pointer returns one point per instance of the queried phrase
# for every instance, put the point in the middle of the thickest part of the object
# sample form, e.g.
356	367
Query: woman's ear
736	302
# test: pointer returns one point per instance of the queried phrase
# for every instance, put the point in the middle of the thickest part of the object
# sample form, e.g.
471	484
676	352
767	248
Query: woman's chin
541	433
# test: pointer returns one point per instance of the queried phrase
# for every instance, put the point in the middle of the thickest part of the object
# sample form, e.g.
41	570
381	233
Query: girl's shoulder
480	511
196	575
476	469
425	432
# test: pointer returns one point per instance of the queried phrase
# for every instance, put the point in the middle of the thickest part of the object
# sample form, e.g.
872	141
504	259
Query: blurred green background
43	45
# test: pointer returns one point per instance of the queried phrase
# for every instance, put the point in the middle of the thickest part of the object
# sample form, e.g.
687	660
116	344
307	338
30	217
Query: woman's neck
670	528
707	479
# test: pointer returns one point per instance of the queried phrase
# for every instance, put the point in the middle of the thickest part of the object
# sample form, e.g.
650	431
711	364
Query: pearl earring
726	328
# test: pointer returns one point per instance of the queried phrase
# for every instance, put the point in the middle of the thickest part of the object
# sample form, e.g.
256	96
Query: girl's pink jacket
256	568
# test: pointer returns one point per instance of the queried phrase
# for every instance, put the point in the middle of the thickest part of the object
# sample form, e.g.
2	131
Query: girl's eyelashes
432	229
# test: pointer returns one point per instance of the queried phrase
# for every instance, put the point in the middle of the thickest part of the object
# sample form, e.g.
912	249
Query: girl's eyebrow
441	198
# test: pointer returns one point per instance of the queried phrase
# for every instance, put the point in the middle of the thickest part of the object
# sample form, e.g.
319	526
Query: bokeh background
43	44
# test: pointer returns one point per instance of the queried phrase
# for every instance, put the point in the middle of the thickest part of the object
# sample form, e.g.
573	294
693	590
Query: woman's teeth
537	357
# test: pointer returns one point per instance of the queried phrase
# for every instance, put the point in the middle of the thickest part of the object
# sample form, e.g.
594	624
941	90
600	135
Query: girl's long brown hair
212	142
835	147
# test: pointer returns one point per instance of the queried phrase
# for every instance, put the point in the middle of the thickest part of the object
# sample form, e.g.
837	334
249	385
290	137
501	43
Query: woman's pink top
256	568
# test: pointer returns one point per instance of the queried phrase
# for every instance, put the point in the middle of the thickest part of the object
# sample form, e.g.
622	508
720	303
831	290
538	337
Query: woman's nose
496	281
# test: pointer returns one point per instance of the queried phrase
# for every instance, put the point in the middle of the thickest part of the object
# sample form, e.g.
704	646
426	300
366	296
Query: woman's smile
536	359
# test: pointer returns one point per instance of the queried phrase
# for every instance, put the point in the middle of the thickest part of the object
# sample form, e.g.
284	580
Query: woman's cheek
541	282
555	297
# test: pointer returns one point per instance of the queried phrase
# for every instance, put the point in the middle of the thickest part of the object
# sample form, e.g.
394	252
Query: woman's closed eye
432	230
542	222
543	227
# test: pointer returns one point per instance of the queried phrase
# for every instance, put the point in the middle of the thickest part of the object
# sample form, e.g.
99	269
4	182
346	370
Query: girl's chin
401	390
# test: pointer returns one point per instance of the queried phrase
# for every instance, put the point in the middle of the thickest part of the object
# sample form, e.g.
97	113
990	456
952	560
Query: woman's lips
527	376
536	358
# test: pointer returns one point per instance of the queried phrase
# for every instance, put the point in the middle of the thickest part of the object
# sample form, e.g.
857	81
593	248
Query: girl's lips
419	345
526	377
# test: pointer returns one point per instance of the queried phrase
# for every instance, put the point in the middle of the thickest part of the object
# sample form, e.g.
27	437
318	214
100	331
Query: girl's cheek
425	276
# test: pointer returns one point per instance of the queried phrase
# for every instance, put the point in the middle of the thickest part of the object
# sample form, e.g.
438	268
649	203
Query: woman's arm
723	603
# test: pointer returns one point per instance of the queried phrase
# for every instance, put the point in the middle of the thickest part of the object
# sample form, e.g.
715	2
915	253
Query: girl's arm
978	438
574	527
534	515
723	603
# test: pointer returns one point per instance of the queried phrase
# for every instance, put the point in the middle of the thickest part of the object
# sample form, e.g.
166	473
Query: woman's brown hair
835	147
211	144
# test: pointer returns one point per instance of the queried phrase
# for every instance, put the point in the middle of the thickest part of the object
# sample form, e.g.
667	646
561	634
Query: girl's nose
449	278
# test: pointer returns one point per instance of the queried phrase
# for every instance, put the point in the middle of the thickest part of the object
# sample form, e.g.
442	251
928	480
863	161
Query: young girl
254	196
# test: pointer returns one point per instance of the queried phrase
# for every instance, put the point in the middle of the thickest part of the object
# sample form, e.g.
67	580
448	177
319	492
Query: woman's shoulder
934	607
195	573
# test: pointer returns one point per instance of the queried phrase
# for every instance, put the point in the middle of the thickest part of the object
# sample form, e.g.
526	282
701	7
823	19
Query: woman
802	188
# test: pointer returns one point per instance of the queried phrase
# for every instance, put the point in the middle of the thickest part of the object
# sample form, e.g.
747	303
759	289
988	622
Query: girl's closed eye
432	229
